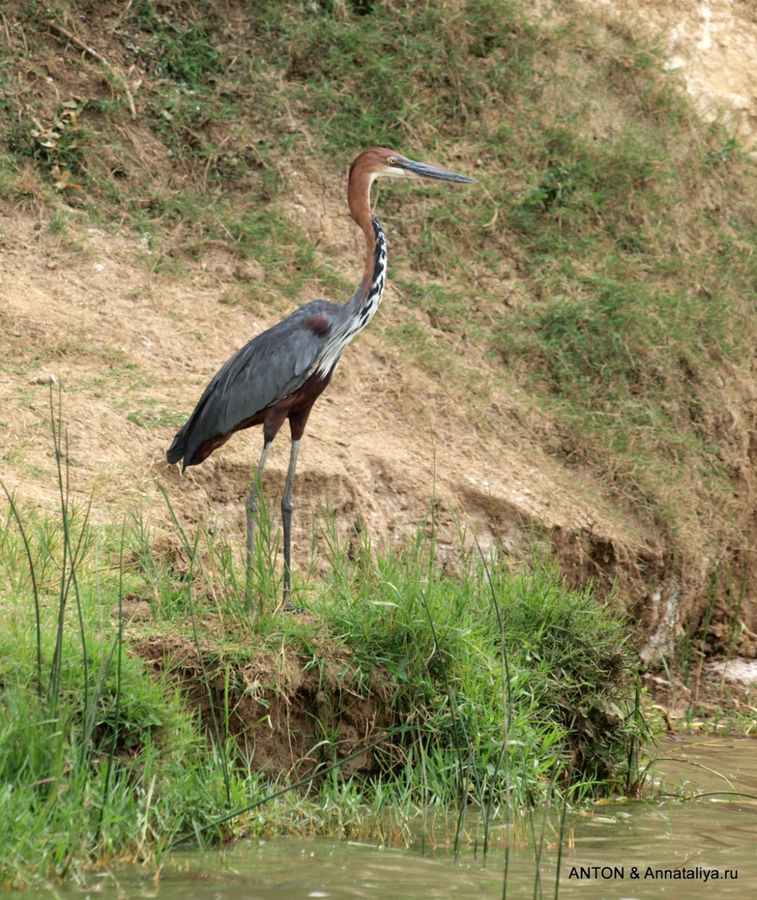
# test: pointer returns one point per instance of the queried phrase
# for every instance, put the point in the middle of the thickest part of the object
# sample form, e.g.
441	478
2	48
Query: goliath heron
281	373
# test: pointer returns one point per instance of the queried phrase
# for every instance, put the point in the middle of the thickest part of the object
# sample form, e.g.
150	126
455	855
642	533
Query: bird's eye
391	161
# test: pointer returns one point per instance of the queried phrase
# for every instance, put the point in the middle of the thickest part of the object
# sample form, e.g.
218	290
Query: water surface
621	849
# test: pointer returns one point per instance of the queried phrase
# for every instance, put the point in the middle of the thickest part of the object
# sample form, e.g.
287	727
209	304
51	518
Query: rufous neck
359	199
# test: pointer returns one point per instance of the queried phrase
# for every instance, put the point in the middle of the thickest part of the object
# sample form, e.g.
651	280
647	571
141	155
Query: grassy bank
489	691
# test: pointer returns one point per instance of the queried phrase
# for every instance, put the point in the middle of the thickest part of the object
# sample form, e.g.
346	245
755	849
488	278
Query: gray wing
267	369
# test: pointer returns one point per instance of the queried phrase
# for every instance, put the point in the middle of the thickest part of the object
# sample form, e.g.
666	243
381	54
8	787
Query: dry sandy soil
128	346
712	45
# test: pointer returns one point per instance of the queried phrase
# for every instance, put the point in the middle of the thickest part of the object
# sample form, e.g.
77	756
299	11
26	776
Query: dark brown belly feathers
295	407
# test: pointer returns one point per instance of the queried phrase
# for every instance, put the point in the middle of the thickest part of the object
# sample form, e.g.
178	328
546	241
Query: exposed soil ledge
292	715
289	713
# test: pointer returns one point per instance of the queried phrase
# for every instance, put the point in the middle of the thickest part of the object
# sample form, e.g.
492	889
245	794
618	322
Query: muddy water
612	850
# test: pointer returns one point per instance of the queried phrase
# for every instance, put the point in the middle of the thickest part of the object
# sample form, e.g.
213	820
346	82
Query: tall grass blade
220	744
35	588
459	729
507	723
563	815
117	712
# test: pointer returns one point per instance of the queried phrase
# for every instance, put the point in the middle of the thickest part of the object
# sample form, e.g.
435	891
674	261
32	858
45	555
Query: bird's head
378	162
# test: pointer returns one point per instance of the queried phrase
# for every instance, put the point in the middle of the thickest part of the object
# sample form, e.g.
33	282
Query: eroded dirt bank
283	706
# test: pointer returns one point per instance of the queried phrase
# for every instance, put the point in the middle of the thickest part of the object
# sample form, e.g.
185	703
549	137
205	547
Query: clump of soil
290	713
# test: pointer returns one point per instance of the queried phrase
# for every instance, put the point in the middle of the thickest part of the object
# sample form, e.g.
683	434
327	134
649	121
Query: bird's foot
288	607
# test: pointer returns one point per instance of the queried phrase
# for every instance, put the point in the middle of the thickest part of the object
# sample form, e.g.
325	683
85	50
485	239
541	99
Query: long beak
424	171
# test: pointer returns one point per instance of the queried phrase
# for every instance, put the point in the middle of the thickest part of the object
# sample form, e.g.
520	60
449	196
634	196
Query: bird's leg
251	507
286	517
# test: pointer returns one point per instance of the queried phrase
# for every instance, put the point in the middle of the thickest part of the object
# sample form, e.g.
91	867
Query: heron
280	373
